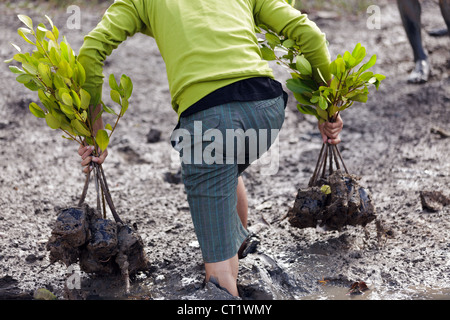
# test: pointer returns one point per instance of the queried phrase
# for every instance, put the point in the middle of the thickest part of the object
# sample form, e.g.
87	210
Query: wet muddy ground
398	144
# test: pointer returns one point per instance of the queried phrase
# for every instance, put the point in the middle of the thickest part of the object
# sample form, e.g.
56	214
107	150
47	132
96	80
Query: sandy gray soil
396	143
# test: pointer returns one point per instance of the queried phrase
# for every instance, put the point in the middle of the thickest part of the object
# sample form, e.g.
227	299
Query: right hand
330	131
85	153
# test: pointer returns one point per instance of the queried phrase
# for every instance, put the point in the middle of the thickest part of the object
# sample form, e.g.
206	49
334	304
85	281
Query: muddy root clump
344	203
99	245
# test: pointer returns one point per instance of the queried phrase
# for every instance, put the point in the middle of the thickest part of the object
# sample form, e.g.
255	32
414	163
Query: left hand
331	130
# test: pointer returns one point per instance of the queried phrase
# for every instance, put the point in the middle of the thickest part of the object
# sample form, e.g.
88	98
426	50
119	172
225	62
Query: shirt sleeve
285	20
120	21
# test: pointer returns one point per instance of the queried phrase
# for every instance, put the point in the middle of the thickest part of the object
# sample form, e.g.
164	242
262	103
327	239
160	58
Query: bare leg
225	273
410	12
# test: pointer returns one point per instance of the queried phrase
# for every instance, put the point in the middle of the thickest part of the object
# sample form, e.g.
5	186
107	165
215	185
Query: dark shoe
438	32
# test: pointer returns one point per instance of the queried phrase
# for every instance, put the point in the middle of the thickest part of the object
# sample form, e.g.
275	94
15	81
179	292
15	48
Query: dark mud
100	246
342	203
396	143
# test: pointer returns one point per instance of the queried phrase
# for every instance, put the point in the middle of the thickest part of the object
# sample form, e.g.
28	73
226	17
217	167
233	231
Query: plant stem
338	166
314	177
342	160
325	162
103	204
97	186
330	158
108	196
85	188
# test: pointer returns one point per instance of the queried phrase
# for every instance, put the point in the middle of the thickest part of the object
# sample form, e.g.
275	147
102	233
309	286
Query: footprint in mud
131	156
266	280
173	177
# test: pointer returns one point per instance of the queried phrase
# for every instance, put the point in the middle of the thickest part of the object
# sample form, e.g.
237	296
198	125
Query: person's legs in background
410	12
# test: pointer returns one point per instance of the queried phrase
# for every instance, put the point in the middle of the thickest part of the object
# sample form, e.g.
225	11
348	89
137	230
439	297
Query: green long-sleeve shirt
206	44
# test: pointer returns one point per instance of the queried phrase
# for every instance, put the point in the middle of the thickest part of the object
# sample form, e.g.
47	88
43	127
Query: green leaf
323	104
81	73
67	99
24	78
33	85
363	97
369	64
52	122
112	83
55	32
84	115
65	51
45	74
127	85
322	114
51	36
80	127
40	32
115	96
30	68
325	189
58	82
16	47
303	66
359	53
108	127
68	110
85	99
340	66
22	32
49	20
68	138
64	69
288	43
108	109
379	78
124	107
272	39
36	110
298	86
268	54
307	110
301	99
349	60
321	76
16	70
54	56
76	99
102	139
26	20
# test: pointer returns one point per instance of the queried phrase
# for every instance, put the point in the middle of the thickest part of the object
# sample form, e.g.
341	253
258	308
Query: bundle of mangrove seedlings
333	198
